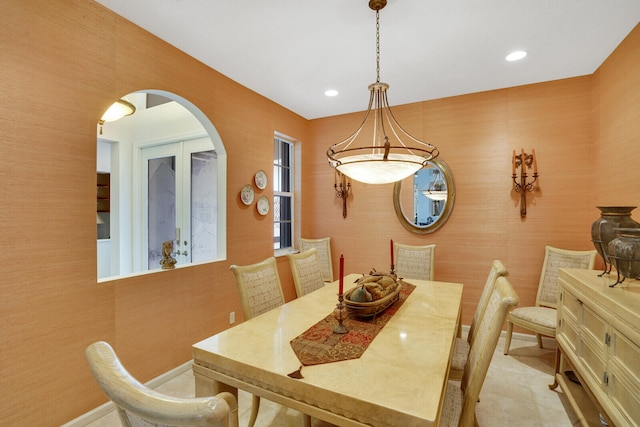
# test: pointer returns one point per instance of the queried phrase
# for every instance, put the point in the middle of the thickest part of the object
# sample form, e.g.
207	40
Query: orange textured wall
616	156
64	62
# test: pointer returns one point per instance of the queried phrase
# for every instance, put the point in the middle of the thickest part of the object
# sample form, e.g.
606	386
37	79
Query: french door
179	201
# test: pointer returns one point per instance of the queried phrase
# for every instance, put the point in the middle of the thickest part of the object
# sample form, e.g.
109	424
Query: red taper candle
341	287
391	246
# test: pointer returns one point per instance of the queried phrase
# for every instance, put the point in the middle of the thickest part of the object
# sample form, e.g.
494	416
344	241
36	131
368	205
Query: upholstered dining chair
414	262
305	270
462	345
259	287
323	246
461	396
260	291
542	318
139	405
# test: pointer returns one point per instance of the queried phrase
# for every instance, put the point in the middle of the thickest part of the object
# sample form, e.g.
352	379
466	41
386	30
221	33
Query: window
167	181
283	200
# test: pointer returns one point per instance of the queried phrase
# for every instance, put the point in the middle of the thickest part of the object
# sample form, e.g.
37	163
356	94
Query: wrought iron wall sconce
343	189
521	163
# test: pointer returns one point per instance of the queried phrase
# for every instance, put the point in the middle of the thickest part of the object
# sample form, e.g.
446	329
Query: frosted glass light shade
118	110
373	169
435	195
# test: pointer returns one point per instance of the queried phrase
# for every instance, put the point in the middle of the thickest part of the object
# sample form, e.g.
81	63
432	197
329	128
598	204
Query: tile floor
515	393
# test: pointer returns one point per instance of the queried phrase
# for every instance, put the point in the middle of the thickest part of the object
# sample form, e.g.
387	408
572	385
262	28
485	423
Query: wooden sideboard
598	337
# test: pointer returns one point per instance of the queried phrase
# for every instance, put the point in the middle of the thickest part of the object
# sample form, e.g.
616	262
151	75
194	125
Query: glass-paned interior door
204	207
161	207
180	201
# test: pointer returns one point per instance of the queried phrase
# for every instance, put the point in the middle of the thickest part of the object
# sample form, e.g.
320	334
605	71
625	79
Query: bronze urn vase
603	229
624	253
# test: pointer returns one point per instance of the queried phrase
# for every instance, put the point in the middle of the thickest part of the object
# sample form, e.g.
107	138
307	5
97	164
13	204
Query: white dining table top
400	379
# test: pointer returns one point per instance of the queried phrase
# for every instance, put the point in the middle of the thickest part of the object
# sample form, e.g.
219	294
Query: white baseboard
108	407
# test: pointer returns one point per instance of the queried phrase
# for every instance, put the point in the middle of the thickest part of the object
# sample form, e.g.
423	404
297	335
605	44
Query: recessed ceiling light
516	56
331	92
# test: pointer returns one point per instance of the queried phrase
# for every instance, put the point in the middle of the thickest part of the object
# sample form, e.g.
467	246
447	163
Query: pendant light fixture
385	152
437	188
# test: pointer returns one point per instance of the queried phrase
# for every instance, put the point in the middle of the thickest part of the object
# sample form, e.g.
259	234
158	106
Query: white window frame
294	193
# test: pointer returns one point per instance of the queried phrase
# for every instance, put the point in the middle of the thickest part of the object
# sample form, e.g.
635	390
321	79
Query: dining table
398	380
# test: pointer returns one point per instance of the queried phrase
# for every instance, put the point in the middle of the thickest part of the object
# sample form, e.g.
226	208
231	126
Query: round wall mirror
424	201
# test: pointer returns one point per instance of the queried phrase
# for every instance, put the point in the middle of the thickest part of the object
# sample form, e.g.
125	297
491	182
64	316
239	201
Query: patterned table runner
319	344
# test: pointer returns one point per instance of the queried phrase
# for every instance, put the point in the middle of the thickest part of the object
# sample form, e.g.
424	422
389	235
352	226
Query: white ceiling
291	51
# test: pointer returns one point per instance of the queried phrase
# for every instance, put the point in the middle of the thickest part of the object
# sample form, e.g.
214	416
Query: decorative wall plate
261	179
263	205
246	194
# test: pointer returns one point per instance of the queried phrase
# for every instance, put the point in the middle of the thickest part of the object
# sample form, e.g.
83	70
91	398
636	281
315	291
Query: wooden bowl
370	309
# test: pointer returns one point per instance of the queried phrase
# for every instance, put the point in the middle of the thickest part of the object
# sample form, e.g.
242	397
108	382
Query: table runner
319	344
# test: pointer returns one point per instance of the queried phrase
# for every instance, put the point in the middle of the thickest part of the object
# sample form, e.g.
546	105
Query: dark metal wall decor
343	189
520	163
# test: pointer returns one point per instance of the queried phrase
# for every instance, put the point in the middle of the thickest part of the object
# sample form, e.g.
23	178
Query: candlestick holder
343	189
392	271
521	163
340	313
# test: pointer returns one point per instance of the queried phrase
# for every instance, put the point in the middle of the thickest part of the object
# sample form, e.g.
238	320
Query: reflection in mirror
424	201
166	169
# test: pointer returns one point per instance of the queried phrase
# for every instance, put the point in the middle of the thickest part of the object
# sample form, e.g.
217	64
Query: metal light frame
387	158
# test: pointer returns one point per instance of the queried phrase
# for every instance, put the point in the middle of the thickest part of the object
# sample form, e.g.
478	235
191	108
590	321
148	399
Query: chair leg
255	406
507	340
232	401
539	338
306	420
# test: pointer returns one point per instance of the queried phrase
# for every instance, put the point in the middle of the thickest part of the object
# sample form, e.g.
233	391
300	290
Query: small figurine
167	261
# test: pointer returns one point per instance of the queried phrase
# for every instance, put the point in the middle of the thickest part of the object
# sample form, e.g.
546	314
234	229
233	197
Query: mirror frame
451	197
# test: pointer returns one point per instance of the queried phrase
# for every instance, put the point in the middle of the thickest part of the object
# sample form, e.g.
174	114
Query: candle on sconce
524	164
341	286
513	164
535	162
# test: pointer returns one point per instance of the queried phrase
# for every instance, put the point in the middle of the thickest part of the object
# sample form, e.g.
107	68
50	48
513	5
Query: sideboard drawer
571	305
595	327
568	333
626	354
625	396
594	364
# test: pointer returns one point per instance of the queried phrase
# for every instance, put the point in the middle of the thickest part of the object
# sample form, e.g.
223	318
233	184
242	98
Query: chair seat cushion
540	316
452	407
460	354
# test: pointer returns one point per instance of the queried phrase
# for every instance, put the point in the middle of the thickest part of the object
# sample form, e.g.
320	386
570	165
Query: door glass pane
204	187
162	206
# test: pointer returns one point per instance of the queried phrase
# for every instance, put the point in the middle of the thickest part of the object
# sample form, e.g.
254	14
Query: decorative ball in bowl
372	294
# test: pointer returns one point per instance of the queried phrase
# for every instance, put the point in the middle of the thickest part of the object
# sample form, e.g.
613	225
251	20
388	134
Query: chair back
139	405
305	270
323	246
502	299
259	287
554	260
414	262
497	270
